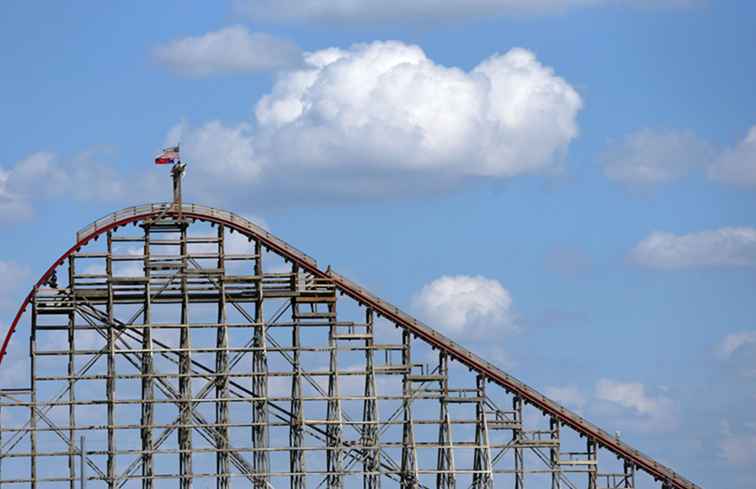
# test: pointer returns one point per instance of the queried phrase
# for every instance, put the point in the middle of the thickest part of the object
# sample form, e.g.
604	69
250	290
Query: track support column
260	436
71	372
334	454
629	481
554	453
296	432
32	383
371	466
148	390
591	449
409	475
445	478
483	476
110	384
221	372
185	372
518	438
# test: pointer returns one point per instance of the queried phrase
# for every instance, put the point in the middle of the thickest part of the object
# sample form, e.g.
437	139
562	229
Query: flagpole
177	171
172	155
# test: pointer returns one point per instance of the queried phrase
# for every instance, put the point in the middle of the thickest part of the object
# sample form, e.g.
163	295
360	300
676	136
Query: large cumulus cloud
367	119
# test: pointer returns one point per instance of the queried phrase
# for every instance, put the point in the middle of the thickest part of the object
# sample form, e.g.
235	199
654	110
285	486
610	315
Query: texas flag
168	156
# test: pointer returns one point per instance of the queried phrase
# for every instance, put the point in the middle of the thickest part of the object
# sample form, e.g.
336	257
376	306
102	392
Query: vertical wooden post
554	453
445	479
296	432
517	438
221	370
371	478
591	448
32	383
71	372
185	372
260	435
83	463
334	416
409	477
148	389
111	363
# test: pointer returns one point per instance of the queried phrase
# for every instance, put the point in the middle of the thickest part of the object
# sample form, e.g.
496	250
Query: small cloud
733	342
38	171
44	176
219	151
738	448
230	50
634	408
731	247
472	307
737	165
13	207
630	395
648	157
568	395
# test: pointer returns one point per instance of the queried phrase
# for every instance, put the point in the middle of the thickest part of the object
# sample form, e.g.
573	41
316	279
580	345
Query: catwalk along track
177	345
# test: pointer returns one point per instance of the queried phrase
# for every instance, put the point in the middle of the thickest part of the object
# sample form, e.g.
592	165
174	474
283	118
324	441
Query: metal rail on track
667	476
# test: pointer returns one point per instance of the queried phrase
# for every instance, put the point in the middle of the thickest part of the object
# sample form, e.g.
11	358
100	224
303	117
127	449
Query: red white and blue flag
168	156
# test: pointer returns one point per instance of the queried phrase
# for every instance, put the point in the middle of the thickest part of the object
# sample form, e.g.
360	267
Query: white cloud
649	157
630	395
230	50
626	405
42	175
737	165
465	306
12	205
639	411
733	342
720	247
738	448
387	101
568	395
18	182
218	151
382	118
421	10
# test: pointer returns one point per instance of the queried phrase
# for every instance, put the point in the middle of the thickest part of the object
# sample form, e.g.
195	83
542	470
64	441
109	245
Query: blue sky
606	182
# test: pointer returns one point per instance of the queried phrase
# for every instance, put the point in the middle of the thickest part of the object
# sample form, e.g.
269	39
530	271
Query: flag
168	156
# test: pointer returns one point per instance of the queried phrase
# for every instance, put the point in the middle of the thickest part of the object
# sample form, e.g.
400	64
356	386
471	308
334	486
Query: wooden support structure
260	416
188	357
148	389
296	432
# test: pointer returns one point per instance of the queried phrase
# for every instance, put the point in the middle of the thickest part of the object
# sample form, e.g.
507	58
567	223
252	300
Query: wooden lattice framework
177	345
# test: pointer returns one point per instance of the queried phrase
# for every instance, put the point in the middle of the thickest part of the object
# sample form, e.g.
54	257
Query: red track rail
130	215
